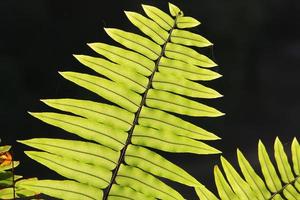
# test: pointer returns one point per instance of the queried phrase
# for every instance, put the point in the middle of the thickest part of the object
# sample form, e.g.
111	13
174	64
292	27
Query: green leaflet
86	129
252	186
153	118
84	152
204	194
6	179
135	42
169	142
126	58
291	193
152	162
282	162
117	73
188	38
239	186
107	89
188	55
145	183
182	86
223	187
295	149
174	10
63	189
5	148
268	169
160	17
100	112
8	167
119	193
148	27
84	173
177	104
8	193
187	22
297	183
255	182
186	70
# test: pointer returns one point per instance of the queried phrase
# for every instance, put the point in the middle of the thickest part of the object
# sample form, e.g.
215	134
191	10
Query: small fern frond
146	80
252	186
9	188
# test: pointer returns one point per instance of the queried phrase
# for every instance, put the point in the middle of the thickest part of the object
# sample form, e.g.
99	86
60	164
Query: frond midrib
137	114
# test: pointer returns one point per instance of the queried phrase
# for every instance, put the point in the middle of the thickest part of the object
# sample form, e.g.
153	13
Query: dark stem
13	174
281	190
137	114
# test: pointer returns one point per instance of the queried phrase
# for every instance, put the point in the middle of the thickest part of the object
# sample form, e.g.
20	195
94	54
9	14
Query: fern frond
9	188
150	77
269	186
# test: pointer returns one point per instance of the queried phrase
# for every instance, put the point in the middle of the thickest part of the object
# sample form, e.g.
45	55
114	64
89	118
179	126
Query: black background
257	48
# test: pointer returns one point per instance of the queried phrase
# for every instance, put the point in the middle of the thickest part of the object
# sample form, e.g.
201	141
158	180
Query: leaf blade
165	101
109	90
148	27
86	129
139	44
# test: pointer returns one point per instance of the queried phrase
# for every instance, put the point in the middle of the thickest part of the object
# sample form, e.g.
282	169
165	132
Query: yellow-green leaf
115	72
291	193
148	27
188	38
5	148
187	22
295	148
153	118
63	189
135	42
118	193
85	152
126	58
99	112
255	182
174	10
182	86
204	194
282	162
107	89
240	187
186	70
86	129
155	164
224	189
177	104
272	180
160	17
188	55
84	173
145	183
166	141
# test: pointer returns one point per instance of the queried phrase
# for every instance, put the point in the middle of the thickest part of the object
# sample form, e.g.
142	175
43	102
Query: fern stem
13	175
137	115
282	189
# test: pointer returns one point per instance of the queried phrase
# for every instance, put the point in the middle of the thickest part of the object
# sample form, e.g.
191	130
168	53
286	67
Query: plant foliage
9	188
252	186
149	78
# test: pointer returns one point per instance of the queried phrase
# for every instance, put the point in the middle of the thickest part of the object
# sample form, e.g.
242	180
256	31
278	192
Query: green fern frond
147	79
9	188
252	186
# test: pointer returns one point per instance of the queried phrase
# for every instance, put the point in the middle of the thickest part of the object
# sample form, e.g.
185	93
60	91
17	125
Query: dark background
257	47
